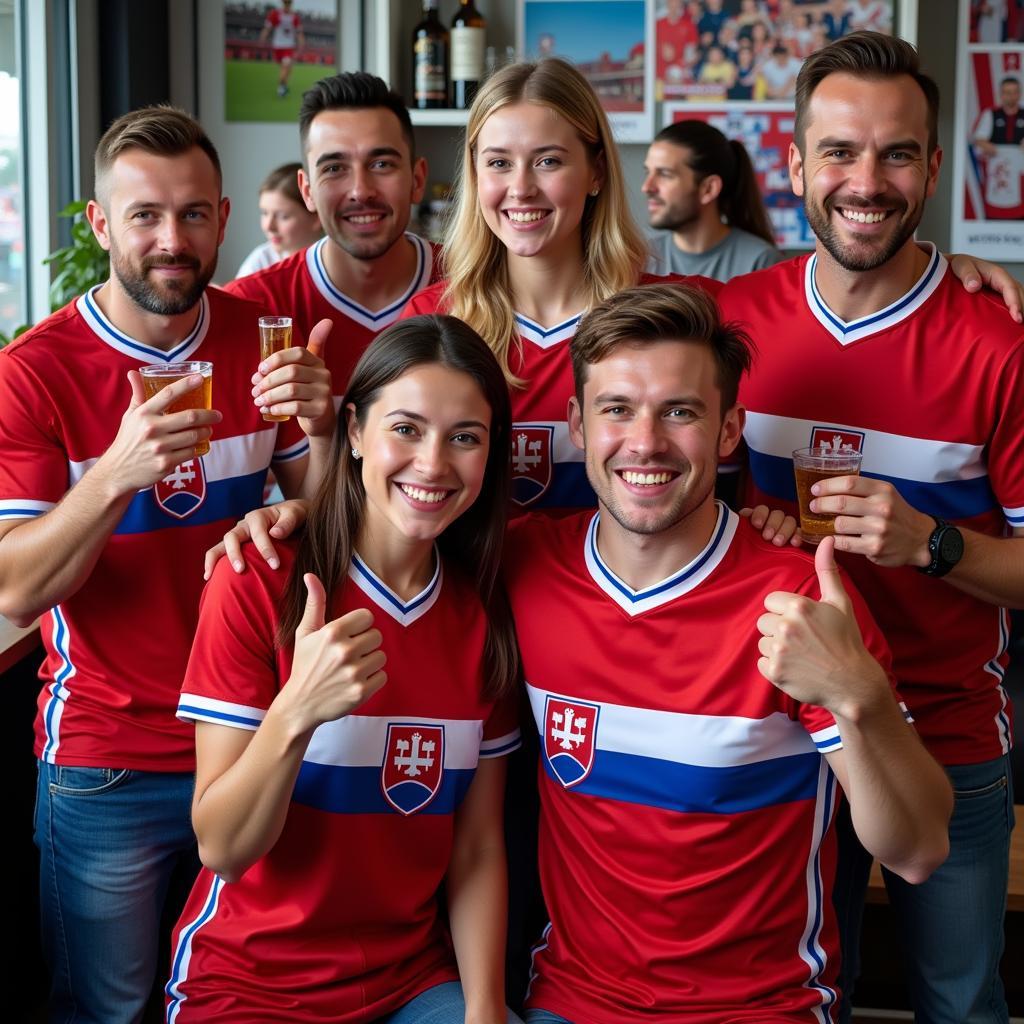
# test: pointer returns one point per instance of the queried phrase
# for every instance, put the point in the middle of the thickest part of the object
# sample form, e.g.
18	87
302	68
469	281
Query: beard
868	254
674	217
362	248
169	298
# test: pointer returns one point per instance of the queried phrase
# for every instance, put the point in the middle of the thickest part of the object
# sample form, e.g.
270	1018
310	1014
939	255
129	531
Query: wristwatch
946	546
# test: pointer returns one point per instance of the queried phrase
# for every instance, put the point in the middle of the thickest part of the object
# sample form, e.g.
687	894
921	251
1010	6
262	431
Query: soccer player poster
273	52
766	130
608	41
988	189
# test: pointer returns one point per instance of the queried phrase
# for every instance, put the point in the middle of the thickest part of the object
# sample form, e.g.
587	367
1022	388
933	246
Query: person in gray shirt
703	201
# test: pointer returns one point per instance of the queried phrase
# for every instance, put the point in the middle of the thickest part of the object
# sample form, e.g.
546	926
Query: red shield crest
836	440
413	766
570	731
531	462
183	490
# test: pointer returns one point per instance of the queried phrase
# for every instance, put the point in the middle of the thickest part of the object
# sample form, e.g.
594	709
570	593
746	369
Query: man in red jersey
103	521
884	350
362	176
696	704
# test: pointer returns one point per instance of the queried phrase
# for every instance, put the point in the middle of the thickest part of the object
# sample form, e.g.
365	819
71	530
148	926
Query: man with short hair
284	29
696	703
871	339
362	176
999	139
103	522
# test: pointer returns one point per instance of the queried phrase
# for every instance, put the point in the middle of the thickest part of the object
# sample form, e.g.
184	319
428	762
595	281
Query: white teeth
369	218
646	479
525	217
864	218
431	497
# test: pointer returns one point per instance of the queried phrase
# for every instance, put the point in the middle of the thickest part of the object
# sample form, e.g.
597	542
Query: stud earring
595	191
356	454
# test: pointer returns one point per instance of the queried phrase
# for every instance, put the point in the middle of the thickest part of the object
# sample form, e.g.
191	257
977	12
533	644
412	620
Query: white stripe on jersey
708	741
1014	516
546	337
183	954
193	707
403	612
889	455
53	712
23	508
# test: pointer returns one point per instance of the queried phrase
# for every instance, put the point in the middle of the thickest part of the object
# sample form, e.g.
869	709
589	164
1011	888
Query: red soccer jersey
340	921
298	286
686	853
547	468
116	650
931	390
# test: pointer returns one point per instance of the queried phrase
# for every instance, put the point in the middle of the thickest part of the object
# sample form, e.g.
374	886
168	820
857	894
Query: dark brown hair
663	312
710	152
471	544
160	130
870	55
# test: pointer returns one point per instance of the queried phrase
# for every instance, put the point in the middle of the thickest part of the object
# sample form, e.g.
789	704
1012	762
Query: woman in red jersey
335	795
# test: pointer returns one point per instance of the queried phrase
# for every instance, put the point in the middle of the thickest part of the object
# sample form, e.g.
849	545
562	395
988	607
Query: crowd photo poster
274	52
988	191
608	41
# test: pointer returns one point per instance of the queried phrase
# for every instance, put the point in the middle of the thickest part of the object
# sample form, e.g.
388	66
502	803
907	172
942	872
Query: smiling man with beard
871	344
362	176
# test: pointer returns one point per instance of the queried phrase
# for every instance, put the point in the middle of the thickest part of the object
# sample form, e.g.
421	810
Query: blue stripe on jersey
349	790
569	488
225	499
210	715
183	954
948	499
653	782
828	994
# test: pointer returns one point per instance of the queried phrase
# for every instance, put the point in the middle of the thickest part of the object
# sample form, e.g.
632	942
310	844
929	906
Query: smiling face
162	220
865	172
288	225
533	176
651	424
424	446
361	179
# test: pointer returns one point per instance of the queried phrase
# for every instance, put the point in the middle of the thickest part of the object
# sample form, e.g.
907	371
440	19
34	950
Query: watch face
951	546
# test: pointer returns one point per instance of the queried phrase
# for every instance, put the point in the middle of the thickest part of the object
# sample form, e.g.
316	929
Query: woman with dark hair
334	798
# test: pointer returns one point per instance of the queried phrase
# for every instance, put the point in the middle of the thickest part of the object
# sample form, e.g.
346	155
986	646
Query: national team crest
836	440
570	730
413	766
531	462
183	490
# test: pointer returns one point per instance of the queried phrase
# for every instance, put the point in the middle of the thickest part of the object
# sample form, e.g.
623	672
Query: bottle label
429	83
468	45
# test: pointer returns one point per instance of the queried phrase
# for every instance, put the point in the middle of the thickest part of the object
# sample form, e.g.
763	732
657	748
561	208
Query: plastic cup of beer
275	335
157	376
810	466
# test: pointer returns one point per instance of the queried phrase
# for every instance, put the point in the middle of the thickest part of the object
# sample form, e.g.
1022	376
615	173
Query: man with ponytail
703	199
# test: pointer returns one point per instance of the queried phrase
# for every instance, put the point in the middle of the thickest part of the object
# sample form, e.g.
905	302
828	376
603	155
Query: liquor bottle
468	45
430	60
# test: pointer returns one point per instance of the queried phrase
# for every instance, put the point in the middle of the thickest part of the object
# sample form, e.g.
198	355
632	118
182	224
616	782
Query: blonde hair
475	261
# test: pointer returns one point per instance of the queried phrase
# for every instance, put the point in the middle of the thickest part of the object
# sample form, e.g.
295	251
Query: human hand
975	273
774	525
812	650
874	520
258	527
151	441
336	665
296	382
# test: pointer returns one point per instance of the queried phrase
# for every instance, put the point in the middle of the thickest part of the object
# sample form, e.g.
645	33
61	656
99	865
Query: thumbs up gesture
812	650
336	665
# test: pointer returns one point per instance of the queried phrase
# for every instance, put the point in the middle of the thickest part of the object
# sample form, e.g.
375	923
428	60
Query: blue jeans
109	840
442	1004
951	926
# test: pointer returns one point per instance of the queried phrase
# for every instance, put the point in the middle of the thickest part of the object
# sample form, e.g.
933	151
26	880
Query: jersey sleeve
1006	450
427	300
501	730
232	674
818	722
249	287
34	467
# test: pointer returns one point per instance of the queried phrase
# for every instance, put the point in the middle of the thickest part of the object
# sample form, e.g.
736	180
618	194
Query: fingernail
768	534
813	506
260	400
273	563
262	367
237	566
815	489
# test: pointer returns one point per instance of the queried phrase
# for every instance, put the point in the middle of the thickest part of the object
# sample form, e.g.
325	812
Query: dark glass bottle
430	60
469	42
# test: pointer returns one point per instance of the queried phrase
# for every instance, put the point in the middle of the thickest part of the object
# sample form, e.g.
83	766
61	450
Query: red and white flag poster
988	198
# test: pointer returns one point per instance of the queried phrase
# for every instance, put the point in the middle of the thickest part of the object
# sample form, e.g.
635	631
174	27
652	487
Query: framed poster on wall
988	190
608	41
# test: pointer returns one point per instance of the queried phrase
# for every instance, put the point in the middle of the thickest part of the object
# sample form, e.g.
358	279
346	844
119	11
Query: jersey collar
636	602
896	312
89	310
542	337
373	320
403	612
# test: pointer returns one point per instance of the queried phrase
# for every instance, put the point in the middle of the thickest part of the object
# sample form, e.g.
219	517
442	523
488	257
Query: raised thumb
314	615
318	338
829	581
138	390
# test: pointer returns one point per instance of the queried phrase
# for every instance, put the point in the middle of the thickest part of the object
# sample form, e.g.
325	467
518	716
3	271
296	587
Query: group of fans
720	719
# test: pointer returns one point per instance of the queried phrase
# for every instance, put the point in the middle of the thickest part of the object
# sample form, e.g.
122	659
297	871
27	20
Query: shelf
440	118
